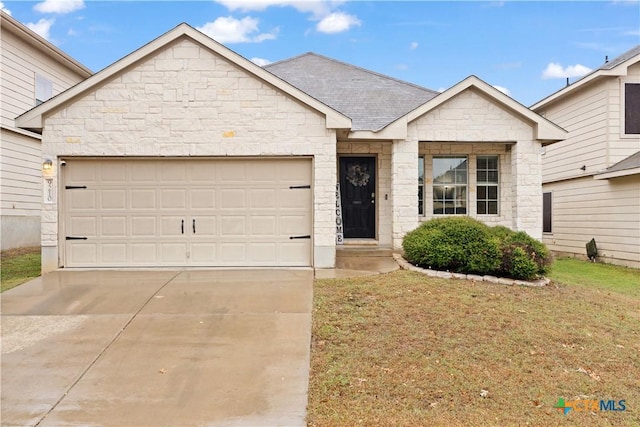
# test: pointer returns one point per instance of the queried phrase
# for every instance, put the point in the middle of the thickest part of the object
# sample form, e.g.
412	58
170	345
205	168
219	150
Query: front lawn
405	349
570	271
18	266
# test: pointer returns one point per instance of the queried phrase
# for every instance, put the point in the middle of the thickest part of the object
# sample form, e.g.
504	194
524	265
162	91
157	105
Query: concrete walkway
157	348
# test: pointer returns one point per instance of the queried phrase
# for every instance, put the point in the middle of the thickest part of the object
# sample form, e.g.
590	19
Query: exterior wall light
47	165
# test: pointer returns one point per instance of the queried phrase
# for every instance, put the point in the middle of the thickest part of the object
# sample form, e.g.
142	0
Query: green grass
404	349
18	266
570	271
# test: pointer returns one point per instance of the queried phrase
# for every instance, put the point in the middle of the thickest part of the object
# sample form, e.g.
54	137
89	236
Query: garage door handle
297	187
194	226
300	237
182	227
75	238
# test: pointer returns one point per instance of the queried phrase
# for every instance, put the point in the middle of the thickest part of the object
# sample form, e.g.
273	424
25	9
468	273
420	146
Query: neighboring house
591	181
184	153
32	70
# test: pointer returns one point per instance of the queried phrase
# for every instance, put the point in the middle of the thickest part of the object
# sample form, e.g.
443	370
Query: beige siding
21	185
20	64
585	116
607	210
594	117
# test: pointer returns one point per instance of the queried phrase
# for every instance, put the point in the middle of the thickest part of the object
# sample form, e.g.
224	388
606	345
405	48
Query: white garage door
195	212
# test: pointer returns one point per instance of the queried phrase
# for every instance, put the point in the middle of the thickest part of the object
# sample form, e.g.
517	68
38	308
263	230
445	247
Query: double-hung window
632	108
449	185
487	185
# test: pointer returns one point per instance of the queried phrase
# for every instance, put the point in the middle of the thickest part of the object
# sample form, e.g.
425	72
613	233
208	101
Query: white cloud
72	32
503	90
413	45
337	22
231	30
4	9
318	8
556	71
260	61
59	6
42	27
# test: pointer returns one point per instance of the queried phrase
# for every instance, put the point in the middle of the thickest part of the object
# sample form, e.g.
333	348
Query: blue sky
525	48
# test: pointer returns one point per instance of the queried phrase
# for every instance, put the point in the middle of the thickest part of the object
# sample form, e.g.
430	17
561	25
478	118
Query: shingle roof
620	59
370	100
631	162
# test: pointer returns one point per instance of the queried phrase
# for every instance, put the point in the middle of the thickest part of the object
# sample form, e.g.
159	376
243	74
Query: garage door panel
173	253
232	198
233	253
205	227
82	200
83	226
204	212
113	199
144	198
83	254
233	225
203	253
173	198
264	225
144	253
172	226
262	198
144	226
116	174
114	254
115	226
203	198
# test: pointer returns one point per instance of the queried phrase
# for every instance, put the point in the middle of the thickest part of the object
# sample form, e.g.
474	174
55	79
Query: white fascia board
617	174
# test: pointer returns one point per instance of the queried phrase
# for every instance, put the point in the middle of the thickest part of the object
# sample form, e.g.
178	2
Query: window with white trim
44	89
487	176
546	213
449	185
632	108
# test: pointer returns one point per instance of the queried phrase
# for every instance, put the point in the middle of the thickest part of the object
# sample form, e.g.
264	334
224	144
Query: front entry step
366	251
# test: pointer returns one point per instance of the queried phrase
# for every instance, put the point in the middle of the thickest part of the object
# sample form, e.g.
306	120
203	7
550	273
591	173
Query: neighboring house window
421	185
632	108
487	185
44	89
450	185
546	212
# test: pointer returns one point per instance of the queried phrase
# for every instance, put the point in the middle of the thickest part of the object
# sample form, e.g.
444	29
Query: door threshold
360	242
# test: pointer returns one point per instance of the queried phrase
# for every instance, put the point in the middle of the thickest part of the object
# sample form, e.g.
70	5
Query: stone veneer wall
186	101
472	123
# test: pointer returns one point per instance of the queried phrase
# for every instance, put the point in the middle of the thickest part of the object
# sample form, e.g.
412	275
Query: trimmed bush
465	245
457	244
523	257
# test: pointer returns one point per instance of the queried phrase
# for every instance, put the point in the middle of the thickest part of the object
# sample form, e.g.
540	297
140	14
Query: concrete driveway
157	348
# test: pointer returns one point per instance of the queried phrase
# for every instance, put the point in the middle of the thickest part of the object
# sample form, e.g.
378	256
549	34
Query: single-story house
591	180
184	153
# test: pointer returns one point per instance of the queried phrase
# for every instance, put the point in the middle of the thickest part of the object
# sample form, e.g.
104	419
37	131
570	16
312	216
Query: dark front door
357	189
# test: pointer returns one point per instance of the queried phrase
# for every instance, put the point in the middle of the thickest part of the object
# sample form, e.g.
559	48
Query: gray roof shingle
631	162
371	100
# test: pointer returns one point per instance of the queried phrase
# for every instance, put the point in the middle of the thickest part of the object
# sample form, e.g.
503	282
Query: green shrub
523	257
458	244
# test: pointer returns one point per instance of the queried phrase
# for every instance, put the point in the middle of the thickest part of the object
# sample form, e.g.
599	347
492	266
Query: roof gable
371	100
616	67
545	130
33	119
